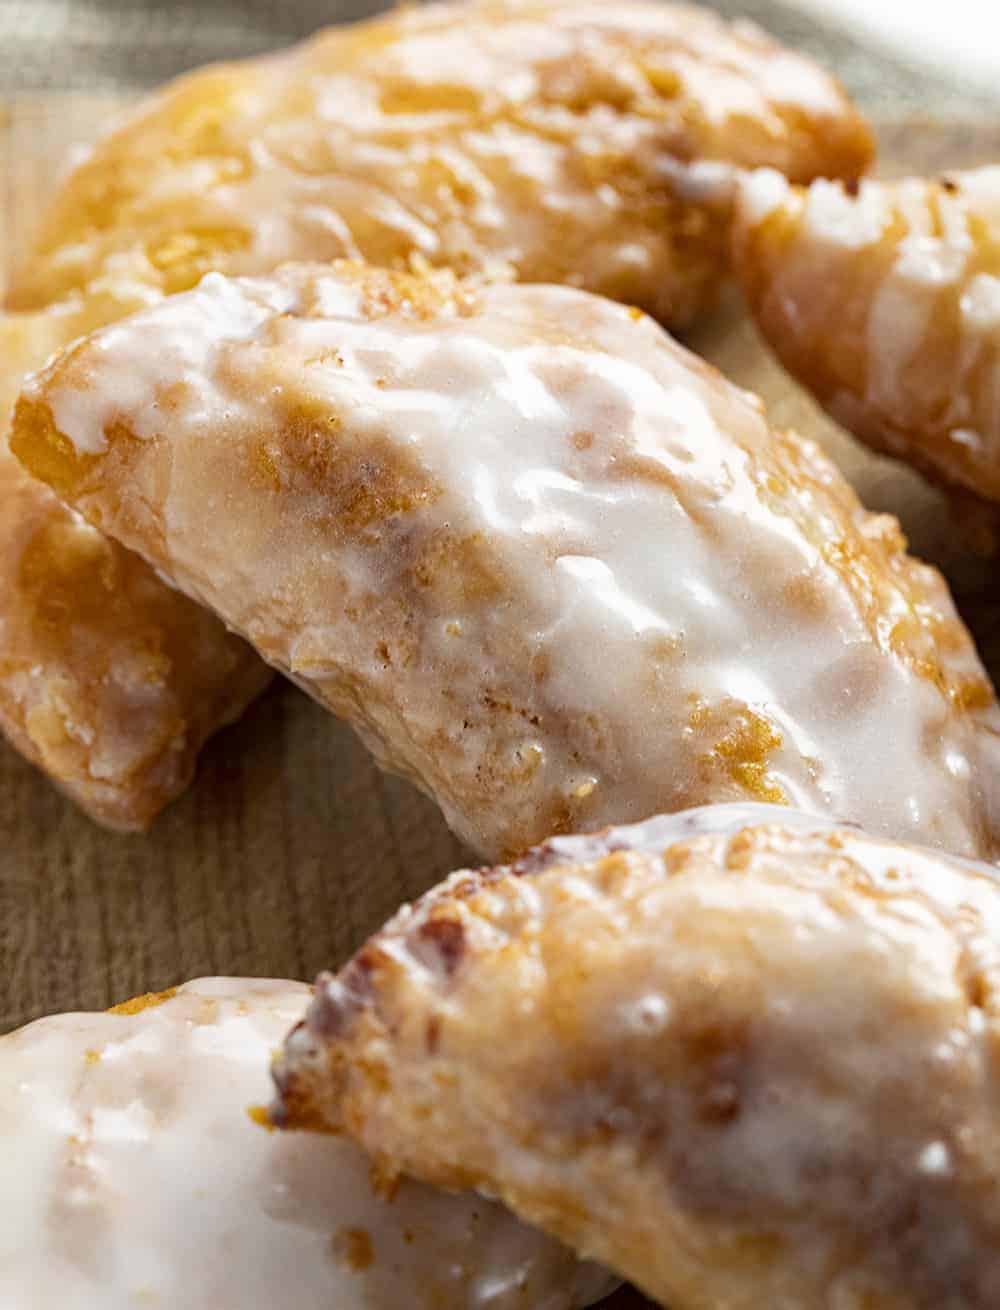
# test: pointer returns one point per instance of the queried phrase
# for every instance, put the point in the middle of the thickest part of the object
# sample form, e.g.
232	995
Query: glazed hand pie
109	680
575	142
885	302
133	1175
741	1057
563	141
552	567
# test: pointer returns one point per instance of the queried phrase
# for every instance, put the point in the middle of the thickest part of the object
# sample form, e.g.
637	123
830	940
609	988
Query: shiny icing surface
886	303
563	141
530	548
760	1066
133	1176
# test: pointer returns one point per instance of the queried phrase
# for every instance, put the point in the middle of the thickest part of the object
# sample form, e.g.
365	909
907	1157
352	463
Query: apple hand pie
740	1056
565	140
554	139
133	1175
885	302
551	566
109	679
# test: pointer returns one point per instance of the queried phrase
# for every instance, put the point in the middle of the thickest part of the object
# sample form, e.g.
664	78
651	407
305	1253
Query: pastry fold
742	1057
551	566
885	302
110	680
563	141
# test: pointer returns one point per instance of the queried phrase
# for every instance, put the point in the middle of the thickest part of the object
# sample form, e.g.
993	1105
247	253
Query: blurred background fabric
899	57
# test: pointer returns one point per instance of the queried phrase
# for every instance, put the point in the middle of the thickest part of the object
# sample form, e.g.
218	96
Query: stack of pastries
352	363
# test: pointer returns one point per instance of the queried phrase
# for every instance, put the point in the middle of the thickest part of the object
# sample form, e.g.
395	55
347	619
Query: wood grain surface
292	847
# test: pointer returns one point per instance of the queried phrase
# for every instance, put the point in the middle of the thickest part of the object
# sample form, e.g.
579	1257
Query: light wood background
291	847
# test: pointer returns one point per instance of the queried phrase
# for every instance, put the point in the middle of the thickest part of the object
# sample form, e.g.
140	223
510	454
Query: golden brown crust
110	680
548	137
147	1001
742	1060
885	303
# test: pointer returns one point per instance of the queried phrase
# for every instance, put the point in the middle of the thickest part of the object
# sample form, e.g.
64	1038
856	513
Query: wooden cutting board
291	847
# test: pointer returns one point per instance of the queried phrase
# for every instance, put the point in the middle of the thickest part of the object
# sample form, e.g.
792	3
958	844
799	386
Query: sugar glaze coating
748	1058
886	304
564	141
133	1175
552	567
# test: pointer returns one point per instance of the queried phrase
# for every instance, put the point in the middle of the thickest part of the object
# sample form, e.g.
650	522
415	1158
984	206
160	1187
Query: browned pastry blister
552	567
885	302
743	1057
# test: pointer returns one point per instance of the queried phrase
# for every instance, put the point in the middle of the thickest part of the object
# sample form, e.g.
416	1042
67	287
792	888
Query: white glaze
761	193
649	569
179	352
980	303
832	215
657	834
132	1176
887	304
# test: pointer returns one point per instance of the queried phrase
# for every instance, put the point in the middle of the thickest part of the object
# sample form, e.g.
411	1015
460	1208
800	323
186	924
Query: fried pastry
110	680
885	303
551	566
565	141
546	138
133	1175
742	1056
